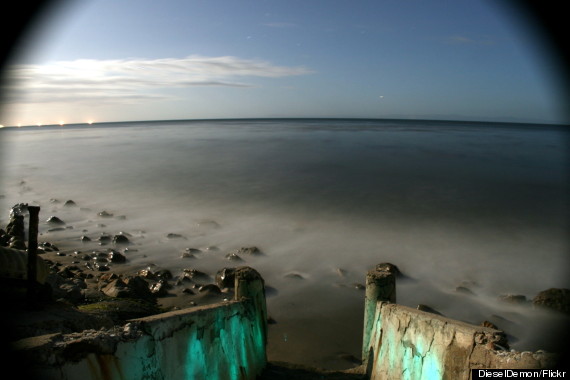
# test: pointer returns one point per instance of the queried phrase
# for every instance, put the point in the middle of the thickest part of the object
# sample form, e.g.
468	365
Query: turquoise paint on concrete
404	348
229	348
195	365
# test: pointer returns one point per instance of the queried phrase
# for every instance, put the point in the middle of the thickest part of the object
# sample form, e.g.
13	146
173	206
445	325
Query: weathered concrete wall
221	341
405	343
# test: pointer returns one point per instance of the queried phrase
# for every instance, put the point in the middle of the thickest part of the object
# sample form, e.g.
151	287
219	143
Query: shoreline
86	296
299	339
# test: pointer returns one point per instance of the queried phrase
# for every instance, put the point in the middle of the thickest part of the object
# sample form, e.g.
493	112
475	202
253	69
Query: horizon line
95	124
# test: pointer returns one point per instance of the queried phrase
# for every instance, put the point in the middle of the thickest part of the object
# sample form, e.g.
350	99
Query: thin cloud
133	79
458	39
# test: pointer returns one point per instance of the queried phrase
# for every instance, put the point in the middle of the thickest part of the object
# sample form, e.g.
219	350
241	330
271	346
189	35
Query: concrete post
250	285
33	254
380	286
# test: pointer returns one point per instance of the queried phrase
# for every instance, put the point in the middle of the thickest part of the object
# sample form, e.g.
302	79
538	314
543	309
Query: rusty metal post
33	252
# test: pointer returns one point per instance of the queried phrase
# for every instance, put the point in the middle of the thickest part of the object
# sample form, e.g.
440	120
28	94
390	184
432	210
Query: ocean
480	205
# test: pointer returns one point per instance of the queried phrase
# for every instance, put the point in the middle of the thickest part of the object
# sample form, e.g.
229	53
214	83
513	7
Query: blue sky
119	60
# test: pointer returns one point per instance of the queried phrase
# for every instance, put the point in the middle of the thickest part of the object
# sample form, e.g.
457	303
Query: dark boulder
554	298
121	240
55	221
225	278
513	298
117	257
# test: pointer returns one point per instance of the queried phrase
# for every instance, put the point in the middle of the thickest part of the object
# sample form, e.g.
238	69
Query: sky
123	60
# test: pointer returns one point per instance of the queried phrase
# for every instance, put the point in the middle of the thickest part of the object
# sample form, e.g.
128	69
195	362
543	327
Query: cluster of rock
15	234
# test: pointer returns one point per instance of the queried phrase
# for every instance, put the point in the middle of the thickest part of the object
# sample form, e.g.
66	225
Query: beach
471	207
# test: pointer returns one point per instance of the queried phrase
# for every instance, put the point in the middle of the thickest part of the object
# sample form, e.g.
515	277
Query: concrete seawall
228	341
404	343
221	341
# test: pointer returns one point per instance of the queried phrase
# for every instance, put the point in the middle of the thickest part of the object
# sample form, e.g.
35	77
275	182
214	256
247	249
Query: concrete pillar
380	286
250	285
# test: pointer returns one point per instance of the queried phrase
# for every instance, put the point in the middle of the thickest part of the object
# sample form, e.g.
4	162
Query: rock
233	257
160	289
513	298
100	257
105	214
187	291
19	209
164	274
15	227
554	298
252	251
295	276
192	250
104	239
107	277
210	289
270	291
85	239
196	275
147	273
102	267
464	290
121	240
55	221
130	287
225	278
47	247
16	243
70	203
70	292
117	288
489	325
117	257
174	236
187	255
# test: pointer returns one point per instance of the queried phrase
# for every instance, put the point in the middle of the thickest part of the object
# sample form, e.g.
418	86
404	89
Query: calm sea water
448	202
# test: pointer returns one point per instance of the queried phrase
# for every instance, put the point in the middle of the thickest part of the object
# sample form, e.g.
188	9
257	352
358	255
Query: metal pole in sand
33	253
